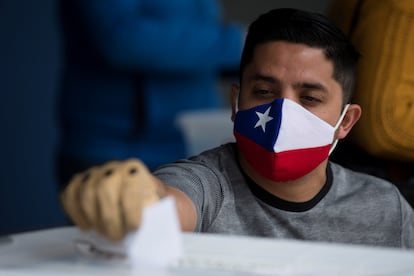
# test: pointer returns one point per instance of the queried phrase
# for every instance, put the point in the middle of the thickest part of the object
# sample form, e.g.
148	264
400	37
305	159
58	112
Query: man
292	105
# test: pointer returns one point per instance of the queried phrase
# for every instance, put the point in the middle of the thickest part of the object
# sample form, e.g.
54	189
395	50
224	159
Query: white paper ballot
157	243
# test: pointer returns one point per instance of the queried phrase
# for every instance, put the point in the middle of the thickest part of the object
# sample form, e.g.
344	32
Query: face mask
283	141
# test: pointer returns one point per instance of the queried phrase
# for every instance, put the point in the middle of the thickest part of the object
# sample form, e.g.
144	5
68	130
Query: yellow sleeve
383	32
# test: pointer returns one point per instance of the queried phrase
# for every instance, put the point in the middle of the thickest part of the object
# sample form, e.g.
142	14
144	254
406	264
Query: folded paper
157	243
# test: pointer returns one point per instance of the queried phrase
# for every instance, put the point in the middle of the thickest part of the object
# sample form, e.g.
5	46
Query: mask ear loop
237	102
337	126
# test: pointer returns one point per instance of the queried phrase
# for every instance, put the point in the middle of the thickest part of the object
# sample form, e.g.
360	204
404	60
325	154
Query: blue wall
29	60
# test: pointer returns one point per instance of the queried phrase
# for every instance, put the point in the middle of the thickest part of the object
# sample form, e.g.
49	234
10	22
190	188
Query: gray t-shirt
351	207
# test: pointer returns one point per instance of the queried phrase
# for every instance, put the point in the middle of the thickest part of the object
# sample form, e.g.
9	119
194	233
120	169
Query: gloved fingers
108	191
70	199
88	200
110	198
139	191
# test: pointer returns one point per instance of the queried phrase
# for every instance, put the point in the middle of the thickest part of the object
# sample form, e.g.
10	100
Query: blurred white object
205	129
157	242
50	252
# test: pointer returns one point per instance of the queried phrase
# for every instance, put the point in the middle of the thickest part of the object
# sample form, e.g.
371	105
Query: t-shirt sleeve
407	236
200	183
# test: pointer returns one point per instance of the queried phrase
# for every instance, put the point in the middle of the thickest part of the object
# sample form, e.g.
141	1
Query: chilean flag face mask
283	141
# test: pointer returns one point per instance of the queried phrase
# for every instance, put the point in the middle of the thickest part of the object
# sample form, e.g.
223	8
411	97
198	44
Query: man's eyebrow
301	85
311	86
263	77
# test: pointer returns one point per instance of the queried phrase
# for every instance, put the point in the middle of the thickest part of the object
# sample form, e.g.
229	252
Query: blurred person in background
129	68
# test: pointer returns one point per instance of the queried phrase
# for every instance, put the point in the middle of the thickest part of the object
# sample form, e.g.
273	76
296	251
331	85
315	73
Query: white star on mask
263	119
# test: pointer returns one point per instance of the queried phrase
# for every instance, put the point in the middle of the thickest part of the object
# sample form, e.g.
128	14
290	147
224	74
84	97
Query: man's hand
110	198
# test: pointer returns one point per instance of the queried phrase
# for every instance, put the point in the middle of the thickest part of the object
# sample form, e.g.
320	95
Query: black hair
312	29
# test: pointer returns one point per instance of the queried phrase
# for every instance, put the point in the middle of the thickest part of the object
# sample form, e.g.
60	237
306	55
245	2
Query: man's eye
265	93
310	99
261	91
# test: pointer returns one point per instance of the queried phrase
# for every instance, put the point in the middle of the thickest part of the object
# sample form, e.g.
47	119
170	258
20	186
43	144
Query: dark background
30	59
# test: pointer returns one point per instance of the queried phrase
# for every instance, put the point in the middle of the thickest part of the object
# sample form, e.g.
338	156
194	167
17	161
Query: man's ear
234	94
351	118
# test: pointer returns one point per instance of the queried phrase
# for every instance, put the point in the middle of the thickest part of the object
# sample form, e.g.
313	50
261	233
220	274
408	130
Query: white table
52	252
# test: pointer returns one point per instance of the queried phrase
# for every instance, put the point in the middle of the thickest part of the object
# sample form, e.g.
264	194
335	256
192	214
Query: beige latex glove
110	198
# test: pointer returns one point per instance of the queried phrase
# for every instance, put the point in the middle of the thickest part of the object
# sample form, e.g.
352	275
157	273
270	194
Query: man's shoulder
348	181
216	160
222	155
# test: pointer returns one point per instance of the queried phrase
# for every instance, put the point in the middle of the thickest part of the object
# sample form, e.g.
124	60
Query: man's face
293	71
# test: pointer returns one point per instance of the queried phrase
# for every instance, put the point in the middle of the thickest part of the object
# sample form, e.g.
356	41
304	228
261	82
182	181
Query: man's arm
110	198
185	209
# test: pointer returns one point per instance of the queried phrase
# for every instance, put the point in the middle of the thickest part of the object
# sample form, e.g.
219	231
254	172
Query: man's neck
300	190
